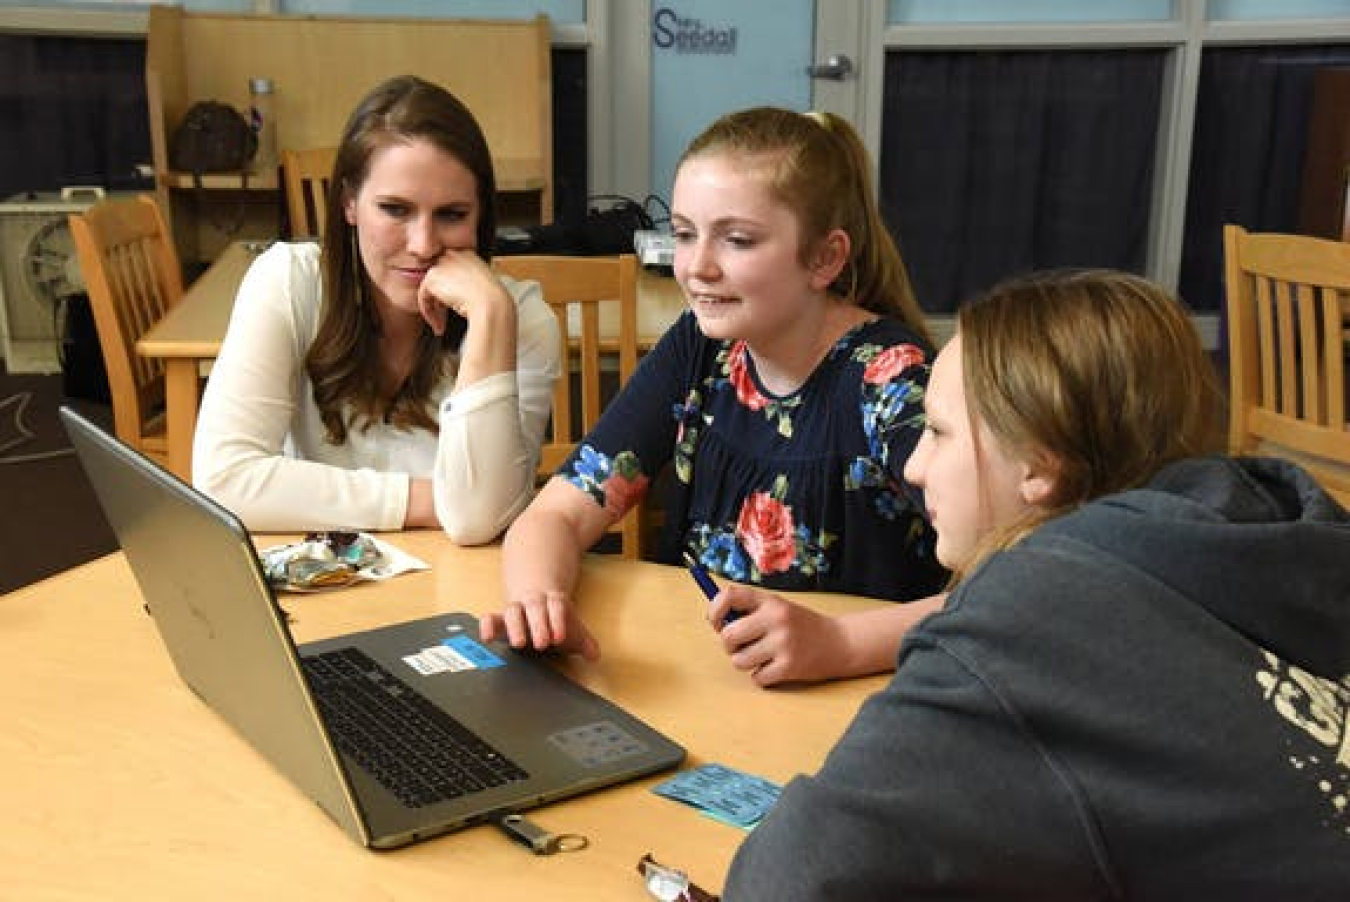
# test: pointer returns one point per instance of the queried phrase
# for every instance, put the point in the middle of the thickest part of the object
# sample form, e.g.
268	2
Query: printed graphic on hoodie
1321	709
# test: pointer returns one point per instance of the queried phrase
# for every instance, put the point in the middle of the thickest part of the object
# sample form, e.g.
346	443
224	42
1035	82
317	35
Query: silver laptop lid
229	641
216	615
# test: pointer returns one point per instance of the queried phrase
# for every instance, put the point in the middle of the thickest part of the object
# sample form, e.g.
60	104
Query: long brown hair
1097	371
343	362
815	164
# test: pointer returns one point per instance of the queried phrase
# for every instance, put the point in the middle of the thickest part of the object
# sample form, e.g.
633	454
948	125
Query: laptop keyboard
417	751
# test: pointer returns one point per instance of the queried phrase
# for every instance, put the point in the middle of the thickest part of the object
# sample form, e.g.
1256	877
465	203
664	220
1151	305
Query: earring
357	269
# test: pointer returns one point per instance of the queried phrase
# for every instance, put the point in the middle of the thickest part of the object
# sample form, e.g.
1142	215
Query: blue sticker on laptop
456	652
472	650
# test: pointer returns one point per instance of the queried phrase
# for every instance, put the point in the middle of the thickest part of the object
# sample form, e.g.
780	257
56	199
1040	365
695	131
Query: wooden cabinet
320	67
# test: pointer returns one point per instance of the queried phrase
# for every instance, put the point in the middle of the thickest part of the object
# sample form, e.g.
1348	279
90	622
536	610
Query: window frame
1185	36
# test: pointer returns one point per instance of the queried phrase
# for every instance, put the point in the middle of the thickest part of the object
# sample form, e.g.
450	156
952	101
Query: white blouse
260	449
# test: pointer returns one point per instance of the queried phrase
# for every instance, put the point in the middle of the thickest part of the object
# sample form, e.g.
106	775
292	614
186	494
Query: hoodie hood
1255	541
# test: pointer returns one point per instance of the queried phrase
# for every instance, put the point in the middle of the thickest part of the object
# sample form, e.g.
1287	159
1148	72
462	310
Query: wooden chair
131	272
1288	340
1345	205
306	174
577	288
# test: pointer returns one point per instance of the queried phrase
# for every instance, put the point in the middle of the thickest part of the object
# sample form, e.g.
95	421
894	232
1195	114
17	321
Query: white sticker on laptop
455	653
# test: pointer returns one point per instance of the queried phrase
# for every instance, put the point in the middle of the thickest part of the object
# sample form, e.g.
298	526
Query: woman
786	402
1138	687
388	380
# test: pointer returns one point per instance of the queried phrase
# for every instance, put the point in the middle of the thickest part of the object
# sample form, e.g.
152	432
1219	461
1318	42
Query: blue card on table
722	792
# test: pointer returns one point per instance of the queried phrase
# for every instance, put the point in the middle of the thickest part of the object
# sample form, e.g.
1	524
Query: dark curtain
1247	156
74	112
571	148
996	163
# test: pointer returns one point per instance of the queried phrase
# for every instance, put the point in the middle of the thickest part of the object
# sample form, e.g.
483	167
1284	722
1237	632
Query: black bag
213	137
607	228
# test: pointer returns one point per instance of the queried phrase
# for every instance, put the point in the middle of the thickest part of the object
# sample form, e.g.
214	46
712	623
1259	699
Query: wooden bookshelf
321	67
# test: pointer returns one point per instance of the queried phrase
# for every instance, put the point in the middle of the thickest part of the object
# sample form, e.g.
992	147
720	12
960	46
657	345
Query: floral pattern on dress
889	405
765	541
791	492
737	371
616	484
689	422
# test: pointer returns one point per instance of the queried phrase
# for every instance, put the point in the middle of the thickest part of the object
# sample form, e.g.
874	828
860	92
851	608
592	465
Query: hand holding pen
710	588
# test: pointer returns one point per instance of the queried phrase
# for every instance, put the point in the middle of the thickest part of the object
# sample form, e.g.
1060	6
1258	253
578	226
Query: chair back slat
1288	300
1335	340
131	272
590	360
307	175
595	302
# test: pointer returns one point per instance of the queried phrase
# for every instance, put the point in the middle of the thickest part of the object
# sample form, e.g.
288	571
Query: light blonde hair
1099	372
816	165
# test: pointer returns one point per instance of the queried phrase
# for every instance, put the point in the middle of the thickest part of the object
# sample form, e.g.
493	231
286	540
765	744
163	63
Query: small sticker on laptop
455	653
598	743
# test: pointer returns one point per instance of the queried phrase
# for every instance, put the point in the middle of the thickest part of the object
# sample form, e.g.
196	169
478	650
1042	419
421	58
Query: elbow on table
471	534
476	527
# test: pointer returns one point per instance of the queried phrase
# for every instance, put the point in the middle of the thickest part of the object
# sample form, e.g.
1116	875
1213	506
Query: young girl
785	402
1142	696
388	380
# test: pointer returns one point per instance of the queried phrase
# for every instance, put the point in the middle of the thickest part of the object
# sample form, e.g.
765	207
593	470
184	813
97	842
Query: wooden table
193	331
190	334
119	783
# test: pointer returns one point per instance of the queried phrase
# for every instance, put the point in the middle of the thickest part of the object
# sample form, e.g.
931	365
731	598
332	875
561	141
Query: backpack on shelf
213	137
607	228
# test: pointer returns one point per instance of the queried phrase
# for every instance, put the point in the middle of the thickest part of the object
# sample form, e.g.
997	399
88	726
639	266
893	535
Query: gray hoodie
1148	698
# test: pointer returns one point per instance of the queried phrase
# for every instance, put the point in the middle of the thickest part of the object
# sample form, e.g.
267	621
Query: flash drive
536	838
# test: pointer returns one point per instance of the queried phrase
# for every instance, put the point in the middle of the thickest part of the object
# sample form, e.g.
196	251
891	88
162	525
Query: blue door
710	57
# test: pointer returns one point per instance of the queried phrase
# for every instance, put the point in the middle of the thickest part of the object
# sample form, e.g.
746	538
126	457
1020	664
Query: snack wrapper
331	560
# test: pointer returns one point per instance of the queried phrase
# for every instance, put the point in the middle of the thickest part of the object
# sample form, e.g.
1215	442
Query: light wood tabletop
191	335
121	784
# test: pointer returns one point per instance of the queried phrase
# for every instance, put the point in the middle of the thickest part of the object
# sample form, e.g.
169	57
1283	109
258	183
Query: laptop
509	732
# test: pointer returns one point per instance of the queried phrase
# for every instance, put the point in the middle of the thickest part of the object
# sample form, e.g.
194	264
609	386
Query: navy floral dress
796	492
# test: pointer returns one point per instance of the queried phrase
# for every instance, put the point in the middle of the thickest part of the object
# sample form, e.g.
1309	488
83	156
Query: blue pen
705	582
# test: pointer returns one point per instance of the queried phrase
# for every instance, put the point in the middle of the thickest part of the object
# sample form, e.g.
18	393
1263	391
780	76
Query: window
994	163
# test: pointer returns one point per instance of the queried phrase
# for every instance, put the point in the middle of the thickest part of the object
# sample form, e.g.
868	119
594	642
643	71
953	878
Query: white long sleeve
260	448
